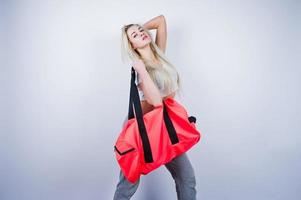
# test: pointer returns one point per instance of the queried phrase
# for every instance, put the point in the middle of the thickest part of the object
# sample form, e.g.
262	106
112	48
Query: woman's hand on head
139	66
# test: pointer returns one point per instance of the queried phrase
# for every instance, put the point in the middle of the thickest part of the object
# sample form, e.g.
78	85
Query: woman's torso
164	91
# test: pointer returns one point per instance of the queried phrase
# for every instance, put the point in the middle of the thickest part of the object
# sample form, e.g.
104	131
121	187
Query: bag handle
135	100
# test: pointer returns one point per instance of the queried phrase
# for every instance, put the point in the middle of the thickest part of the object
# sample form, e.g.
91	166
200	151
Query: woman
156	79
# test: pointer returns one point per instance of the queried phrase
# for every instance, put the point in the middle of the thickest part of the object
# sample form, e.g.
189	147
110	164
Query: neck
146	53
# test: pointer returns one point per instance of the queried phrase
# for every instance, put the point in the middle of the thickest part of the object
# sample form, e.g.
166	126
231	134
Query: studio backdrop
64	96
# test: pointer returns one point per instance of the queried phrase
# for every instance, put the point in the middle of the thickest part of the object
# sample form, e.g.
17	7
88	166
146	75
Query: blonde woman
157	79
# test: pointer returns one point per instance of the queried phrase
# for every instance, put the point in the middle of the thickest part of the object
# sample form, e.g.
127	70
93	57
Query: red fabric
128	142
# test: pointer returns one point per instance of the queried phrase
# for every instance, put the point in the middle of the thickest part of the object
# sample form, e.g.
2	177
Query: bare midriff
172	95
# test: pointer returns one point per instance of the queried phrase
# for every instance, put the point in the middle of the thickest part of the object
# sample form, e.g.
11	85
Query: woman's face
138	37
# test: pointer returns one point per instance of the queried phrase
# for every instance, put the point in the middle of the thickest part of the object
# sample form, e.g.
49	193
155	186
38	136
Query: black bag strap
134	100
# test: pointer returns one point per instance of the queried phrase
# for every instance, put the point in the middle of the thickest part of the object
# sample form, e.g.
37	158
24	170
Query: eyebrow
138	29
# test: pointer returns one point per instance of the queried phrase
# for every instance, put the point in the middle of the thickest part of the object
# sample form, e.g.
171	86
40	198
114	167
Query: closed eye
136	34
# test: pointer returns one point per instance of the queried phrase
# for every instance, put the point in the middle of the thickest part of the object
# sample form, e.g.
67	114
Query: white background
64	96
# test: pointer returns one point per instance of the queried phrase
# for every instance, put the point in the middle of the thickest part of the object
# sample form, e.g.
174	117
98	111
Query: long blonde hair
161	71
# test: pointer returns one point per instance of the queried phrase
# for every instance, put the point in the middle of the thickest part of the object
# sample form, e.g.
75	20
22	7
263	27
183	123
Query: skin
136	36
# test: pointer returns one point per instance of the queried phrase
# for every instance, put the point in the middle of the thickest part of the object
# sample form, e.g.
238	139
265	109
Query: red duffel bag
148	141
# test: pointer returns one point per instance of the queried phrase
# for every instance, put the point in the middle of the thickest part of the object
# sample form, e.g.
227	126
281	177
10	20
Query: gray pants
181	171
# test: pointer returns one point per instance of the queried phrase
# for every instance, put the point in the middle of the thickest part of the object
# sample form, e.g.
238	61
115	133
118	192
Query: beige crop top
160	84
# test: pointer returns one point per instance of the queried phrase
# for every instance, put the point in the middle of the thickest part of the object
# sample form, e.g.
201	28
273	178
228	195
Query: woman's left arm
158	23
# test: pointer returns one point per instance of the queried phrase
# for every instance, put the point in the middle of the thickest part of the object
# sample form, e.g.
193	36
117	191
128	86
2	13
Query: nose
142	35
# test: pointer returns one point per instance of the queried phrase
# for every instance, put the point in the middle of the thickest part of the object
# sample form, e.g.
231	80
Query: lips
144	37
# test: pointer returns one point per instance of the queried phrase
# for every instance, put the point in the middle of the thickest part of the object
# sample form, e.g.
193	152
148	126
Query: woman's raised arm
158	23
